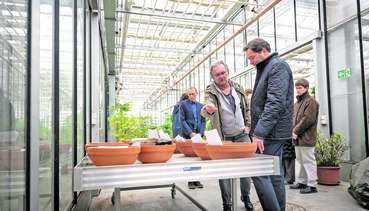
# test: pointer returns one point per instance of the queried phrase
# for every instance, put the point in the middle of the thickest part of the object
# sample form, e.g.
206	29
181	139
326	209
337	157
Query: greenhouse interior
80	78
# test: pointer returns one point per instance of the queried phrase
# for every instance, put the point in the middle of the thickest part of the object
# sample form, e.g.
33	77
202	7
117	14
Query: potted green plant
328	153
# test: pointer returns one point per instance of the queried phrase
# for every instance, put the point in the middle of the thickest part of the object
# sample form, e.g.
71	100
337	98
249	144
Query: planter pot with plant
328	153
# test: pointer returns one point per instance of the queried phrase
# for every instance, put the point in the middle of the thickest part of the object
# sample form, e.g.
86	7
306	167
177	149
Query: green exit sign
344	73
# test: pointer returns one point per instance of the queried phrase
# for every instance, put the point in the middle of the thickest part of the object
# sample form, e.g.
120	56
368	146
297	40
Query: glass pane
13	38
80	78
338	11
285	28
346	91
266	29
365	31
65	94
239	55
364	4
45	104
307	17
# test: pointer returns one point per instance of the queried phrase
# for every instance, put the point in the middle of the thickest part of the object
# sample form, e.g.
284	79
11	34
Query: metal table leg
117	199
234	193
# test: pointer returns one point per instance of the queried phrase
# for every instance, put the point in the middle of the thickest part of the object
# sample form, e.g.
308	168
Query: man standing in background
191	122
305	120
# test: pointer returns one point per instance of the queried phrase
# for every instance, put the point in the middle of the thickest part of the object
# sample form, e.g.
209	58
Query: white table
179	168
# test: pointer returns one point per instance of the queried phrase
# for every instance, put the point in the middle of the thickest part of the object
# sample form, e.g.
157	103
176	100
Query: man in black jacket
271	117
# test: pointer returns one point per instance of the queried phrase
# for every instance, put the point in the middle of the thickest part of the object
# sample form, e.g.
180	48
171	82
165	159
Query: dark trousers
225	184
289	169
225	188
270	189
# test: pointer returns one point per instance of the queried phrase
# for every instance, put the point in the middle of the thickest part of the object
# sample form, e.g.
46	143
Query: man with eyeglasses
226	107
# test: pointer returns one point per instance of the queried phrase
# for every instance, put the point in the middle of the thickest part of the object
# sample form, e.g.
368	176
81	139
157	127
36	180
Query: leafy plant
329	151
167	125
208	125
126	127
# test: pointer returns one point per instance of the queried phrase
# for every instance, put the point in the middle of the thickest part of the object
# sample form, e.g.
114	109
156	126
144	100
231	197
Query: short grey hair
257	45
192	87
217	63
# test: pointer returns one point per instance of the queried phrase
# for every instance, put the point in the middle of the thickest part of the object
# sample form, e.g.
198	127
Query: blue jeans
270	189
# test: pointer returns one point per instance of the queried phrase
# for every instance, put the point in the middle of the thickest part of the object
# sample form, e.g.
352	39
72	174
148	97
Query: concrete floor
329	198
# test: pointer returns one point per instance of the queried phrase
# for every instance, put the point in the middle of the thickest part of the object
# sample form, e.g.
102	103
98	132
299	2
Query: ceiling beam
180	17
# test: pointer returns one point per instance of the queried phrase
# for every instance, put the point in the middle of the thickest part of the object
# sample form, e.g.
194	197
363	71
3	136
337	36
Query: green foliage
208	125
312	91
167	125
126	127
328	151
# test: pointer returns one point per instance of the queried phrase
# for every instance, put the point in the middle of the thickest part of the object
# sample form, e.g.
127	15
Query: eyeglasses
220	74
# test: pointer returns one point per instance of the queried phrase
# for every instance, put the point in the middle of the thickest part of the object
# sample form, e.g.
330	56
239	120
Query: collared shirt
194	111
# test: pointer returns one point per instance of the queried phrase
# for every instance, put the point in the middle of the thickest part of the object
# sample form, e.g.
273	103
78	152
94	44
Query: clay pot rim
147	148
97	151
200	144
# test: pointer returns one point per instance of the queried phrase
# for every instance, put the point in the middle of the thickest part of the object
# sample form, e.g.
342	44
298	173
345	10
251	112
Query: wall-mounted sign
344	73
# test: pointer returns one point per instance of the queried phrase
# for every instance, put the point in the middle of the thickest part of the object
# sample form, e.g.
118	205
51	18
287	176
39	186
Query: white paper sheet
197	139
213	137
179	138
163	135
152	133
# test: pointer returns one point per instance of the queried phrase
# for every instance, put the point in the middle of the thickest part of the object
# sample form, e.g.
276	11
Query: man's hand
259	143
246	130
294	136
210	108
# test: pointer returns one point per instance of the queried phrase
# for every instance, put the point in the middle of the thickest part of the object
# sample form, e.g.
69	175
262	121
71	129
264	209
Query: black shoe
248	204
308	189
298	186
227	207
191	185
198	184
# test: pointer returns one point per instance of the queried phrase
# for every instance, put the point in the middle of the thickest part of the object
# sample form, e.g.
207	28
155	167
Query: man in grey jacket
226	107
271	116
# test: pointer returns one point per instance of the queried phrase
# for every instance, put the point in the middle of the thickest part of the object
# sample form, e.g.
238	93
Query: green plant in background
312	91
208	125
329	151
167	125
126	127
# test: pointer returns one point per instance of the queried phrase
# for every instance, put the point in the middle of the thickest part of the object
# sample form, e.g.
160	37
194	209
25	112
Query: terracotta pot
185	147
177	147
200	150
328	175
106	144
113	155
151	153
231	150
